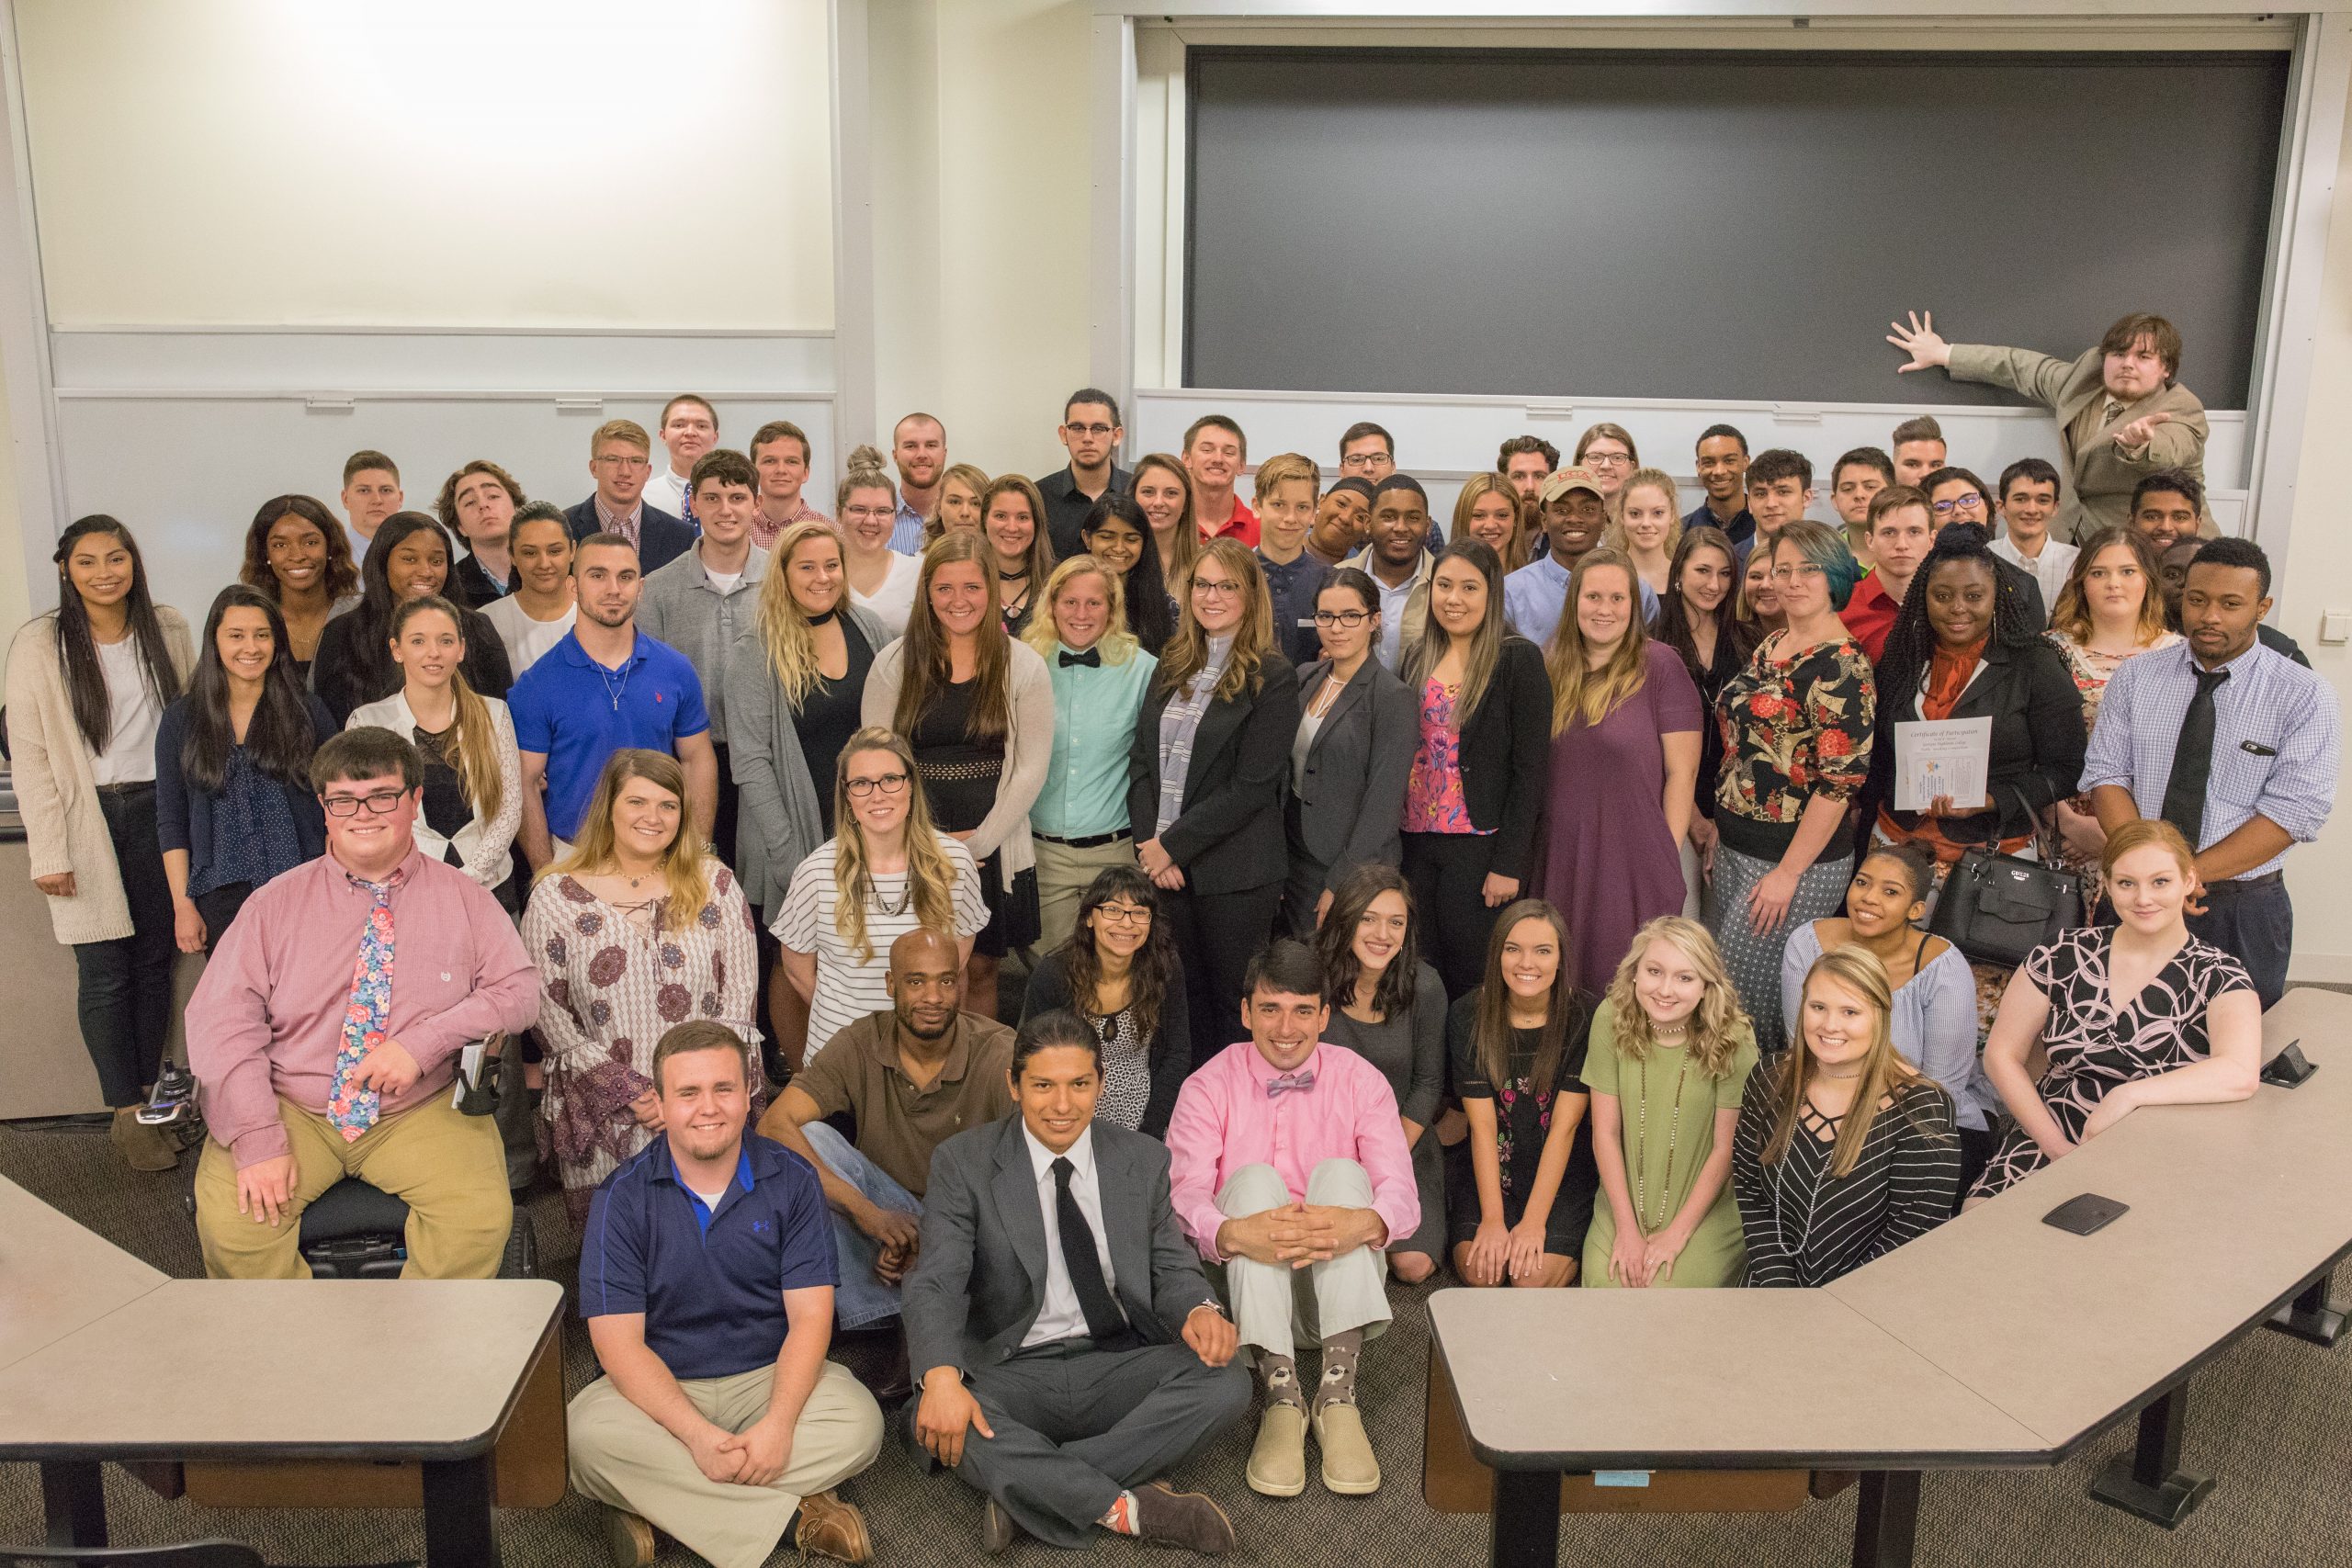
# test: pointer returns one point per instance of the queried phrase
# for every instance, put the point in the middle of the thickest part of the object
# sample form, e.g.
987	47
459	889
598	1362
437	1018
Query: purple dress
1608	861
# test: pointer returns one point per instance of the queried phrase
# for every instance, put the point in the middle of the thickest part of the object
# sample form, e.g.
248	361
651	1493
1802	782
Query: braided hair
1911	643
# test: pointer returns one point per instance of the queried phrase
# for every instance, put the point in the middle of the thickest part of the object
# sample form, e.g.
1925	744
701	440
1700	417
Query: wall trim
296	328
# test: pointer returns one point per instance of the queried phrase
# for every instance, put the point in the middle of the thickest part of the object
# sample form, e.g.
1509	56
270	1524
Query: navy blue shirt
576	713
1742	528
1292	585
710	1283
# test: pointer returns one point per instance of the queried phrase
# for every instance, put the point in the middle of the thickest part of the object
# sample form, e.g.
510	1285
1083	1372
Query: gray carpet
2268	1421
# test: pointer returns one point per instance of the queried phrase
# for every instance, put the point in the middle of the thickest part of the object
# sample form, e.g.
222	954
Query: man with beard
1091	433
911	1078
918	446
1398	559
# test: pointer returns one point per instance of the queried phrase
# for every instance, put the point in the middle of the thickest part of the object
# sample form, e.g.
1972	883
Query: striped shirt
1178	723
1805	1228
848	987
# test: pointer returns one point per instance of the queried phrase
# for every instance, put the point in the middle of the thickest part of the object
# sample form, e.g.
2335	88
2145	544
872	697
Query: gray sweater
682	607
777	823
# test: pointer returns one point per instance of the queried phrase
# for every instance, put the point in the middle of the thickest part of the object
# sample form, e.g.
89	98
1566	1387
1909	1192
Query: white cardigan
481	845
1028	748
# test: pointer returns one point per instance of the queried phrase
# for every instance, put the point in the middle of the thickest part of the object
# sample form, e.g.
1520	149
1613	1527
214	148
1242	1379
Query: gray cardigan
777	821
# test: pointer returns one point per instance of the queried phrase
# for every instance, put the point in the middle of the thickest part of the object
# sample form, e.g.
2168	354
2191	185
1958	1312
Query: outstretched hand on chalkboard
1927	350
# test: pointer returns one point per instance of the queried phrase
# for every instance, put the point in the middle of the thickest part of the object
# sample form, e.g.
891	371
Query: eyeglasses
1214	585
1351	619
383	803
1364	459
870	513
1608	460
1959	504
1096	430
1124	914
621	460
1785	573
888	783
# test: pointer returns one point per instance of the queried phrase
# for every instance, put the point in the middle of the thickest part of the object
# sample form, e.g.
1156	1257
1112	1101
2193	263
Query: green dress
1716	1256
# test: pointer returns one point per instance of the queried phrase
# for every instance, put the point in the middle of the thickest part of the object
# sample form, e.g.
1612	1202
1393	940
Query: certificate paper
1940	756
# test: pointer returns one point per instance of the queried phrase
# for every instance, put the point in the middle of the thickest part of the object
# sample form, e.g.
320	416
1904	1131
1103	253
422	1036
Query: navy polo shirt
577	714
710	1283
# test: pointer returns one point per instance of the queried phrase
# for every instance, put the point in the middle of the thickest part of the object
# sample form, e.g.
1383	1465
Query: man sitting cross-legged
1069	1348
1288	1166
706	1277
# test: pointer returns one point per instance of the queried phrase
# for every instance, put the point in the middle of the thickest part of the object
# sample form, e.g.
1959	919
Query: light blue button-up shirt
906	533
1094	722
1533	595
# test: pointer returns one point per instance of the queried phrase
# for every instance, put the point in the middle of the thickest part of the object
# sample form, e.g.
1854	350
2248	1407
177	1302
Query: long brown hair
1152	973
929	873
1565	1011
1475	489
1335	942
1885	1074
2070	617
1041	547
1578	692
1719	1025
926	665
77	647
1674	628
685	876
342	573
1253	638
1188	527
473	746
1422	659
781	622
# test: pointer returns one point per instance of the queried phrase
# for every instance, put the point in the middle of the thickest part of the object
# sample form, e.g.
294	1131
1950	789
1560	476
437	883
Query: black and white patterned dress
2092	1048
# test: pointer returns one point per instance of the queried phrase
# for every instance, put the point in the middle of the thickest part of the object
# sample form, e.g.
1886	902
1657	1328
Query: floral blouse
1795	727
1433	799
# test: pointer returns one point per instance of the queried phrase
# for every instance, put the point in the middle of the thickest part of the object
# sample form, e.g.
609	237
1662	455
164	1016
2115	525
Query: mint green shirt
1094	721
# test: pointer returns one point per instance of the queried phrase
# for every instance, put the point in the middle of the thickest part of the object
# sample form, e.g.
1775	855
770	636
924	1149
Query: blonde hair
1719	1025
626	430
931	876
473	740
1254	638
866	469
1578	690
1884	1076
685	872
783	625
1475	489
1117	644
1287	468
1663	482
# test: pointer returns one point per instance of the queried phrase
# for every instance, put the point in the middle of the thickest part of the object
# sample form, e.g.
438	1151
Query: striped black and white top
1805	1228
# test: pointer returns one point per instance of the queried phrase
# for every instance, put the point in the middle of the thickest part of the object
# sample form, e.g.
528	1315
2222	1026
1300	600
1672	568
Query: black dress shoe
998	1532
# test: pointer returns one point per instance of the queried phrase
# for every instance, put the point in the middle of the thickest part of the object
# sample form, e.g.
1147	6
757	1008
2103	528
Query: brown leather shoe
998	1532
831	1527
628	1539
1188	1519
143	1147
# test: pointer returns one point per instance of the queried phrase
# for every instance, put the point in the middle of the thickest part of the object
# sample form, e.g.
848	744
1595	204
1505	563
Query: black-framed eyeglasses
383	803
888	783
1351	619
1097	431
1124	914
1970	502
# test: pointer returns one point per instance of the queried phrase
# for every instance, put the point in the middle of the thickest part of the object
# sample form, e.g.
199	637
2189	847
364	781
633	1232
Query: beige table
424	1371
56	1277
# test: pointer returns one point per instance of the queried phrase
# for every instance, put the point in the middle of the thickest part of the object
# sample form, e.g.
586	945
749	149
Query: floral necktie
352	1110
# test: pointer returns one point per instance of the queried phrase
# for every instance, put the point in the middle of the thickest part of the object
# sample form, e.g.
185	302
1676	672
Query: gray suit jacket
1357	769
979	1278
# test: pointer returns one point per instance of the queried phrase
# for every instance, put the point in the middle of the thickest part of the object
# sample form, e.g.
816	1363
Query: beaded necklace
1642	1144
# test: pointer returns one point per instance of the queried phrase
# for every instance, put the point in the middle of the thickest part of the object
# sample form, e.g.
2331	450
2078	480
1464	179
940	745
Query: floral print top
1793	727
1433	799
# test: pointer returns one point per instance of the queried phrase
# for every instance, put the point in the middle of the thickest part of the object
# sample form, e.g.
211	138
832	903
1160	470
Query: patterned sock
1278	1379
1340	1353
1120	1515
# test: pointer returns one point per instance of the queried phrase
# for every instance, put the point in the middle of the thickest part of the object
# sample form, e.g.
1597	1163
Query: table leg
2148	1480
458	1529
1886	1518
2310	1315
73	1498
1526	1519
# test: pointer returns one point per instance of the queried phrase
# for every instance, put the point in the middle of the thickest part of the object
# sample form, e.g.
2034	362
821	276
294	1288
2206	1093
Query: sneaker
629	1541
1349	1467
1183	1518
831	1527
1278	1459
143	1147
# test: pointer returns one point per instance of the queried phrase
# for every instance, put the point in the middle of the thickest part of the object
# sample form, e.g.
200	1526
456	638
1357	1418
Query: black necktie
1091	659
2192	760
1104	1319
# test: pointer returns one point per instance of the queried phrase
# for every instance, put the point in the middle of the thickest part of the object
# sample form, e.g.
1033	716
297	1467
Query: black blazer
661	538
1506	752
2036	754
1357	769
1169	1051
1230	837
470	585
979	1277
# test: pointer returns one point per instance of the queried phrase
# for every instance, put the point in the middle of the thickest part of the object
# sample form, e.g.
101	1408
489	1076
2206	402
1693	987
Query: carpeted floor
2270	1420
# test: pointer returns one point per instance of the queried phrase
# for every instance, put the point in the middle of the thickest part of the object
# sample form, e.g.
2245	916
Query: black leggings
1217	935
125	982
1447	872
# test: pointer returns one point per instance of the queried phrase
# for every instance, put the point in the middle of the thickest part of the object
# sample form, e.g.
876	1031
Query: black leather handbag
1996	908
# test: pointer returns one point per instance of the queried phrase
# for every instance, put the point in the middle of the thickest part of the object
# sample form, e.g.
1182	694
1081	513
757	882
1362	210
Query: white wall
434	163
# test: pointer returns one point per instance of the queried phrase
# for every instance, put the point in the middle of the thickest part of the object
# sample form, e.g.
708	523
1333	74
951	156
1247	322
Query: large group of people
1535	897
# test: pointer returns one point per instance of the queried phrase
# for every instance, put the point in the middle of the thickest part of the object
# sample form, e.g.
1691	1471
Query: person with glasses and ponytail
87	685
473	770
1352	756
234	803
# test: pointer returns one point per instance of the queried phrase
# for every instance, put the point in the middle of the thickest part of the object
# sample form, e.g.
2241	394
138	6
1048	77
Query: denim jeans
861	1298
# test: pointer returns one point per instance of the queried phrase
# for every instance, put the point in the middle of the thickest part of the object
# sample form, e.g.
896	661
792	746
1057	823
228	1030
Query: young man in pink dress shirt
1288	1168
266	1034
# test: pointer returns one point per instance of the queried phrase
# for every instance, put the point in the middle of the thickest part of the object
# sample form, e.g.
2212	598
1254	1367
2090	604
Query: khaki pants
1063	876
622	1456
448	1167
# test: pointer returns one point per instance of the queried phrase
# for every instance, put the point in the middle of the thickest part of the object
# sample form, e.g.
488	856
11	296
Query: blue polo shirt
577	714
710	1283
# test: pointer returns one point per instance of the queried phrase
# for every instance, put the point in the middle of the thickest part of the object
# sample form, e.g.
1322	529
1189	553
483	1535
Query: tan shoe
629	1541
831	1527
1349	1467
143	1147
1278	1459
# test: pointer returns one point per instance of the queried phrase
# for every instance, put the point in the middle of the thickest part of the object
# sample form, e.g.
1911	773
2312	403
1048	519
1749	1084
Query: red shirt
1870	614
1242	525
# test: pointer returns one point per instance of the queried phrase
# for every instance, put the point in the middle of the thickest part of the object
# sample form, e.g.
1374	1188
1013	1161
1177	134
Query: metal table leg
2310	1315
457	1530
1526	1519
1886	1518
2149	1481
74	1499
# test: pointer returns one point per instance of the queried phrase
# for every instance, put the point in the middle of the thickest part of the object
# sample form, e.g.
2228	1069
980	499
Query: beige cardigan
1028	748
64	827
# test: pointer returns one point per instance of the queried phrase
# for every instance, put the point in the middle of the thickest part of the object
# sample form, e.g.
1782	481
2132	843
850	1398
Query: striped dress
1805	1228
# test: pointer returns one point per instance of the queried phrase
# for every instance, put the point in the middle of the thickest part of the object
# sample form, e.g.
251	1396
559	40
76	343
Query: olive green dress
1664	1153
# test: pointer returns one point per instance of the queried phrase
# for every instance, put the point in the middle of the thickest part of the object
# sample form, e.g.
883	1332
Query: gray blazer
979	1277
1357	769
777	821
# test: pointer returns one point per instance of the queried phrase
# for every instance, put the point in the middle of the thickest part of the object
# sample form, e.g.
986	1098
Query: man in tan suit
2120	414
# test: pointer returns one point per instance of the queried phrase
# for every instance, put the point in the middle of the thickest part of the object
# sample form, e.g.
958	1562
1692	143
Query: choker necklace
1004	576
823	619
